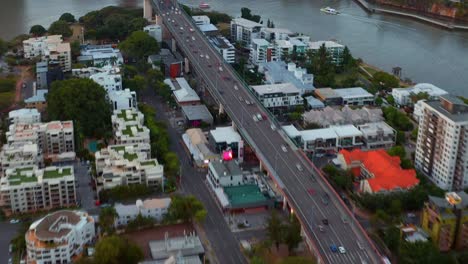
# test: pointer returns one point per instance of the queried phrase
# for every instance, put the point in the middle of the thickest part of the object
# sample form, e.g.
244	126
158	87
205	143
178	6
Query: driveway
8	232
84	190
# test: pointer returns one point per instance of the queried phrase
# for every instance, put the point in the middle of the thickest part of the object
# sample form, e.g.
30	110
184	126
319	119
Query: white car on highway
342	250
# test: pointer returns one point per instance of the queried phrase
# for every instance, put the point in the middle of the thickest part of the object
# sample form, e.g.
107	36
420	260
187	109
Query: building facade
224	47
441	148
282	95
225	173
100	55
50	49
59	237
151	208
377	135
224	138
128	127
154	31
29	189
403	96
244	30
261	51
22	154
333	48
24	116
110	80
123	99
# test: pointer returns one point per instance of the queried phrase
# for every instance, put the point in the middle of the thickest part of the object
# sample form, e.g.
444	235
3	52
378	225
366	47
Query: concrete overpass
302	184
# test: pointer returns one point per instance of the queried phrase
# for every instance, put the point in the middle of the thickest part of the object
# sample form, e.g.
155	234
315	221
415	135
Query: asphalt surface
8	232
222	240
295	174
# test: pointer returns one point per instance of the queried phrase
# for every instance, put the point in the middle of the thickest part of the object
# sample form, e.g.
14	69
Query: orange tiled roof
388	174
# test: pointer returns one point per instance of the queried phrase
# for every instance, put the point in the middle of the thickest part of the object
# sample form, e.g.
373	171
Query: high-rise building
441	149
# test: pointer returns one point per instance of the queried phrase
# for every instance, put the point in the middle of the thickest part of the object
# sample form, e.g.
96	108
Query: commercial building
100	55
209	30
126	165
154	31
196	114
123	99
314	103
333	48
128	127
282	95
280	72
377	135
59	237
167	62
201	20
110	80
403	96
24	116
183	93
441	148
186	249
197	145
446	221
37	101
244	30
226	138
233	191
50	49
22	154
261	51
55	139
28	189
224	47
356	96
377	171
329	116
151	208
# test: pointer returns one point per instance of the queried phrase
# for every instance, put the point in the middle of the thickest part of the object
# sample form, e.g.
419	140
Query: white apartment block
261	51
128	127
278	95
355	96
29	189
289	46
225	173
110	80
21	154
123	99
225	48
155	31
273	34
54	139
402	96
59	237
333	48
201	20
377	135
441	148
49	48
101	55
126	165
244	30
25	116
152	208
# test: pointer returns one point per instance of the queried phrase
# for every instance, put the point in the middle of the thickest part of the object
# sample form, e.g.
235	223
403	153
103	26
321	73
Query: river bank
371	8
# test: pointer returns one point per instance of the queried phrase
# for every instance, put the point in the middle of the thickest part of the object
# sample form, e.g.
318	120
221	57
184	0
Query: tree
378	101
67	17
139	45
322	67
107	218
186	208
384	81
78	100
293	236
422	253
3	47
171	163
397	151
348	61
115	250
75	48
392	238
415	97
247	14
60	27
275	229
37	31
136	83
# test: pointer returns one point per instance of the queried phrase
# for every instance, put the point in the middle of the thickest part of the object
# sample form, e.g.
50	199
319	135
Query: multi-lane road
324	223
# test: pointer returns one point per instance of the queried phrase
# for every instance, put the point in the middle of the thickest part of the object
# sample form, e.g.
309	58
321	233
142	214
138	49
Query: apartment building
28	189
446	221
201	20
21	154
49	48
333	48
151	208
377	135
281	95
224	47
441	148
24	116
128	127
42	68
54	139
261	51
273	34
290	46
225	173
126	165
100	55
59	237
280	72
154	31
37	100
123	99
403	96
110	80
244	30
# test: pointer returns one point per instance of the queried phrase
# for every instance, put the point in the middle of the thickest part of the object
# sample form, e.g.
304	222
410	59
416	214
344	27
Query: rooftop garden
18	178
52	174
128	130
122	115
148	163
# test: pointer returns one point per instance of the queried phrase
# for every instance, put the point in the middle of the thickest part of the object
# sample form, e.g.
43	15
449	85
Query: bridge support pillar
221	109
173	45
147	10
285	203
